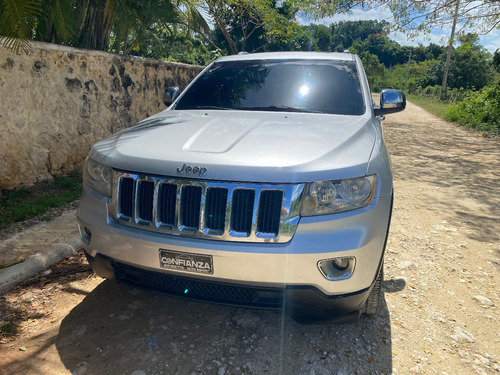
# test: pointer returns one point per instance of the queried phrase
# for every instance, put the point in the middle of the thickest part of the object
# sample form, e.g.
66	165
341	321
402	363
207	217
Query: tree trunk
448	55
407	72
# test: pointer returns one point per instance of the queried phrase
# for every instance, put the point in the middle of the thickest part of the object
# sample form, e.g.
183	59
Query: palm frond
17	22
16	45
64	16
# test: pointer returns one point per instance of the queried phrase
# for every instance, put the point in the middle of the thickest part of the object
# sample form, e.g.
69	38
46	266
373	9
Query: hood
243	146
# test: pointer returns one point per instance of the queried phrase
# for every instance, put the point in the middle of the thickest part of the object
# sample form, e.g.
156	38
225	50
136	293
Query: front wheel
373	300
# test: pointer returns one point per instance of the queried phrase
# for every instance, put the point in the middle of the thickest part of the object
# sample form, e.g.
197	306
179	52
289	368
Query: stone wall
56	102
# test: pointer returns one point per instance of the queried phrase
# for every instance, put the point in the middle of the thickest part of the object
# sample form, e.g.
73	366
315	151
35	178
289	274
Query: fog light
341	263
337	268
85	234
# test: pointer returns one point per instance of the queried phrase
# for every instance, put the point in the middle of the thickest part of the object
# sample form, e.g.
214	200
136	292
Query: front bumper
304	303
286	274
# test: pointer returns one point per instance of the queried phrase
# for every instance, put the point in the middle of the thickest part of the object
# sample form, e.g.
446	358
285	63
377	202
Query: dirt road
439	313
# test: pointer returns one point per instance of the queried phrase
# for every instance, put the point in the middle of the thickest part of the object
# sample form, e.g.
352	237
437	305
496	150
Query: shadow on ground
118	329
468	171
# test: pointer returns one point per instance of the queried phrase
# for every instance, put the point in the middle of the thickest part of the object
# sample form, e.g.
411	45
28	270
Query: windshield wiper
282	108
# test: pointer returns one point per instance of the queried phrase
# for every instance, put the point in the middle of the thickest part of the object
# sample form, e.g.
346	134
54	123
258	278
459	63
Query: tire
373	300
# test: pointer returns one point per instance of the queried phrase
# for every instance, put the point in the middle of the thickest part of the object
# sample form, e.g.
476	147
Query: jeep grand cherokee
265	184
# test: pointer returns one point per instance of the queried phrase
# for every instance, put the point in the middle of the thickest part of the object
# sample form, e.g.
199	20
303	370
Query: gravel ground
439	312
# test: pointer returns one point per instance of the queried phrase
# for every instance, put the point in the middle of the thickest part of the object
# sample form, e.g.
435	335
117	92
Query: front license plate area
176	260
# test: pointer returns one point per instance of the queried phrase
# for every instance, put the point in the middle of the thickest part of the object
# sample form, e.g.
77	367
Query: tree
237	22
174	44
344	33
56	22
17	20
91	23
471	66
448	53
496	60
322	38
416	16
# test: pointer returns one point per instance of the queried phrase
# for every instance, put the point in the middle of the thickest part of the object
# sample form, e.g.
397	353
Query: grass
9	329
432	105
27	202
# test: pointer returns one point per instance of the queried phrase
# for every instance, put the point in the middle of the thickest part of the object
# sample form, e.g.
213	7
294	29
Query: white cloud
491	41
382	13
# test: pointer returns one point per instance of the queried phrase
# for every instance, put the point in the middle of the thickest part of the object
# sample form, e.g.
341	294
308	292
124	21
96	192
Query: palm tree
17	20
92	24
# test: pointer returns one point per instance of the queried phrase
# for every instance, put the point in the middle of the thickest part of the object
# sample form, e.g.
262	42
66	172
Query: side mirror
171	94
391	101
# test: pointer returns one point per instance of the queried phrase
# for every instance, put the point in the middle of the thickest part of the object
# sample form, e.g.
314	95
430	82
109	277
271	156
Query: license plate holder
189	262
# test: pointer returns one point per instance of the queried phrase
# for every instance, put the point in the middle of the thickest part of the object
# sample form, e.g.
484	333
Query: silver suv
265	184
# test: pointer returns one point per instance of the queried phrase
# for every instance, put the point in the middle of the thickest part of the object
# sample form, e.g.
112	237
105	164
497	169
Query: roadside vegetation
27	202
436	107
479	111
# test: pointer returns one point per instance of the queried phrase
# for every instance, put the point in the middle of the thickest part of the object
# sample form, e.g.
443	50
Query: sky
491	41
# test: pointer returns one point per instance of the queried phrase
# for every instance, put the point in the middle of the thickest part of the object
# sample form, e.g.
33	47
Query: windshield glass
316	86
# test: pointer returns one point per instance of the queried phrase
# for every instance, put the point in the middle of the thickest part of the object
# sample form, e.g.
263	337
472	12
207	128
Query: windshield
316	86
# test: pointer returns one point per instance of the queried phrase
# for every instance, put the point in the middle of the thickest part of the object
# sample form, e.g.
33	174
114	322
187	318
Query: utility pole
408	70
448	55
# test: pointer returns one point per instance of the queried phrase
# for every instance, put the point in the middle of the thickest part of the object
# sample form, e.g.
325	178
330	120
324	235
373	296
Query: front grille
226	211
201	289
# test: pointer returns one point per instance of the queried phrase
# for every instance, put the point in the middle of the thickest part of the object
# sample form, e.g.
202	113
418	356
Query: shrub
480	111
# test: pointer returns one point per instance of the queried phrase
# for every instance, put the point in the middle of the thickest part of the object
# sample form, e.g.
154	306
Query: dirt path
439	313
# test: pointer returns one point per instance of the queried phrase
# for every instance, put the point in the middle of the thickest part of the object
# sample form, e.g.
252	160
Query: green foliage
322	38
23	203
471	68
9	329
17	20
109	25
496	60
253	25
480	111
57	22
371	63
174	45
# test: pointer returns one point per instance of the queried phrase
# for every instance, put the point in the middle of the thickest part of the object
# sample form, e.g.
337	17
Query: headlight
98	177
329	197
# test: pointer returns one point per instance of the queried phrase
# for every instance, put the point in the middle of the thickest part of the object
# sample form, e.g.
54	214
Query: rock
484	301
460	335
406	265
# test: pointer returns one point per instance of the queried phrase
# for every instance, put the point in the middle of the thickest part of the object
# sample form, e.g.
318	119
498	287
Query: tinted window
280	85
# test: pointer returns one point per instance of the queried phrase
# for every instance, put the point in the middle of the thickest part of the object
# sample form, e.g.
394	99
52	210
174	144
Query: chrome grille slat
228	211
